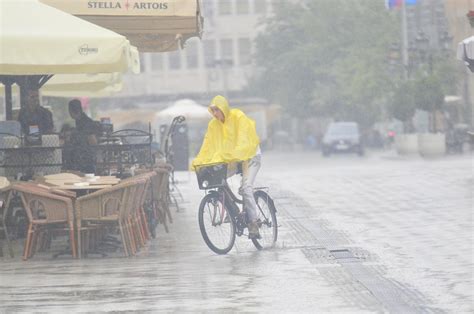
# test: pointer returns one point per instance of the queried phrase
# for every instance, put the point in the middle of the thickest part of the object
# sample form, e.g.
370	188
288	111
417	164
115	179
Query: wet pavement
365	235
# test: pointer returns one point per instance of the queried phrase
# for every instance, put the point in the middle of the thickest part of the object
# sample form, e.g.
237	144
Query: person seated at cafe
82	138
35	119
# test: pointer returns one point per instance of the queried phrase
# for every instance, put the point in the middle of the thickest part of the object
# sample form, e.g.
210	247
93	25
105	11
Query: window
208	8
174	59
191	54
226	49
242	6
260	6
224	7
156	62
245	52
142	63
209	46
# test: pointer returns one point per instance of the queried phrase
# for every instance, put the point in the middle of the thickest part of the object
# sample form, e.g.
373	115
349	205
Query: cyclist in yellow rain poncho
231	137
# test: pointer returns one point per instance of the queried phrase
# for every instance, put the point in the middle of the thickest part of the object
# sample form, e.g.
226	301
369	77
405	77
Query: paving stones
413	216
357	235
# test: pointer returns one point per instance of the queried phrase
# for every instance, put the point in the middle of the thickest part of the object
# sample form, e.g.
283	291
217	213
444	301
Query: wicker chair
46	211
163	198
5	195
151	199
158	193
106	207
138	216
136	220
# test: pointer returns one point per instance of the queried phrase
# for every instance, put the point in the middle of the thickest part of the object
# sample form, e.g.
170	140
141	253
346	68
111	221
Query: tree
429	96
403	105
326	57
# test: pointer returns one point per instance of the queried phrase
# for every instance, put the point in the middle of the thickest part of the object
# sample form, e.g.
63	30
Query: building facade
220	62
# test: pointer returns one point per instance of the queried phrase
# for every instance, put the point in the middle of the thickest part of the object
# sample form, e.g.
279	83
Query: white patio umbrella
465	52
90	85
38	41
106	91
75	85
79	85
188	108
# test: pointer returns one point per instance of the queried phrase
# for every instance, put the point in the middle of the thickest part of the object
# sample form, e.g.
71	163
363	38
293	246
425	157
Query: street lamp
446	41
423	50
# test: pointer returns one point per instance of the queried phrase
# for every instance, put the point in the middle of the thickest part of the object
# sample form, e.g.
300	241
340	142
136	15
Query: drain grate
343	255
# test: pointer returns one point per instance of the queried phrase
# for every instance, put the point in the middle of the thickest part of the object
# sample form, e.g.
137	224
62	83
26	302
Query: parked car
342	137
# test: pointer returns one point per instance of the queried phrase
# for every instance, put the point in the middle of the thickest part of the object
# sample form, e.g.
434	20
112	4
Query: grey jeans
249	172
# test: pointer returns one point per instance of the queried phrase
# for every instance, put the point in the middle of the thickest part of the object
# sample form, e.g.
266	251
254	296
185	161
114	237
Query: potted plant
470	16
430	97
402	107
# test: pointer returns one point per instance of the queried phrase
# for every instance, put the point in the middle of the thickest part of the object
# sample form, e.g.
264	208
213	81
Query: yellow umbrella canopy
39	39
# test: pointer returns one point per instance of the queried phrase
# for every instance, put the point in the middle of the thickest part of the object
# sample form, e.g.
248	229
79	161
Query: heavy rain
222	156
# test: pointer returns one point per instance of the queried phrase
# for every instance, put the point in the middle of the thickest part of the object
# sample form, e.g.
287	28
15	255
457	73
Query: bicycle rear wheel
217	226
267	221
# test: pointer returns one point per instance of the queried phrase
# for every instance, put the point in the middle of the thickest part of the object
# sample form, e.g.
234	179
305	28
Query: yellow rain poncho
234	140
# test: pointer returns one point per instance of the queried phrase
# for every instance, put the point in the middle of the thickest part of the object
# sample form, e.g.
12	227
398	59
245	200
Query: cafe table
74	182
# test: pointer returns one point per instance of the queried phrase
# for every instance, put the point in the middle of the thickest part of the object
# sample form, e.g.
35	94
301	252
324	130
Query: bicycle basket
211	176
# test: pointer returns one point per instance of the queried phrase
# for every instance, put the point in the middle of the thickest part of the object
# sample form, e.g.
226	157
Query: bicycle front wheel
217	226
267	221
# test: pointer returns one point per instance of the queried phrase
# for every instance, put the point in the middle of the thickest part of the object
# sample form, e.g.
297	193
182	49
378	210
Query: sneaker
253	230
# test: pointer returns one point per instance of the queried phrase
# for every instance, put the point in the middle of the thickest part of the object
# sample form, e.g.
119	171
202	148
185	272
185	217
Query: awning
152	25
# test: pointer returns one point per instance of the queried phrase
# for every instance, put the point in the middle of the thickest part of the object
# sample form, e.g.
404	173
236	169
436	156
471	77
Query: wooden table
70	181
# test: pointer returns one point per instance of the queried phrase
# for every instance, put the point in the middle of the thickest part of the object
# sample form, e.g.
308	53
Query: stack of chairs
97	212
121	206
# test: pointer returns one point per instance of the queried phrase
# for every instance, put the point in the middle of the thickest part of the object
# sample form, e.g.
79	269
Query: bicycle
154	216
220	217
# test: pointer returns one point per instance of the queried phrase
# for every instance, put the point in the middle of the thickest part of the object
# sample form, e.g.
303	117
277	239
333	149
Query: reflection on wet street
368	234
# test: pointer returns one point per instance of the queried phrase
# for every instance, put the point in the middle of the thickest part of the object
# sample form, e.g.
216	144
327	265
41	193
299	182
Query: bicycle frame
230	201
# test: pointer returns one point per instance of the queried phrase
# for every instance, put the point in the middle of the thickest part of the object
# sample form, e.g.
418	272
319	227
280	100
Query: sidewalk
179	273
356	235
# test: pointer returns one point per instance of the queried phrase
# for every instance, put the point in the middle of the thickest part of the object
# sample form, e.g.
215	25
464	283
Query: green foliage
403	105
327	57
429	94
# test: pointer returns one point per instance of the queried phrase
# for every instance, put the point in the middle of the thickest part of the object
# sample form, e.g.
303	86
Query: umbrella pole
8	100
